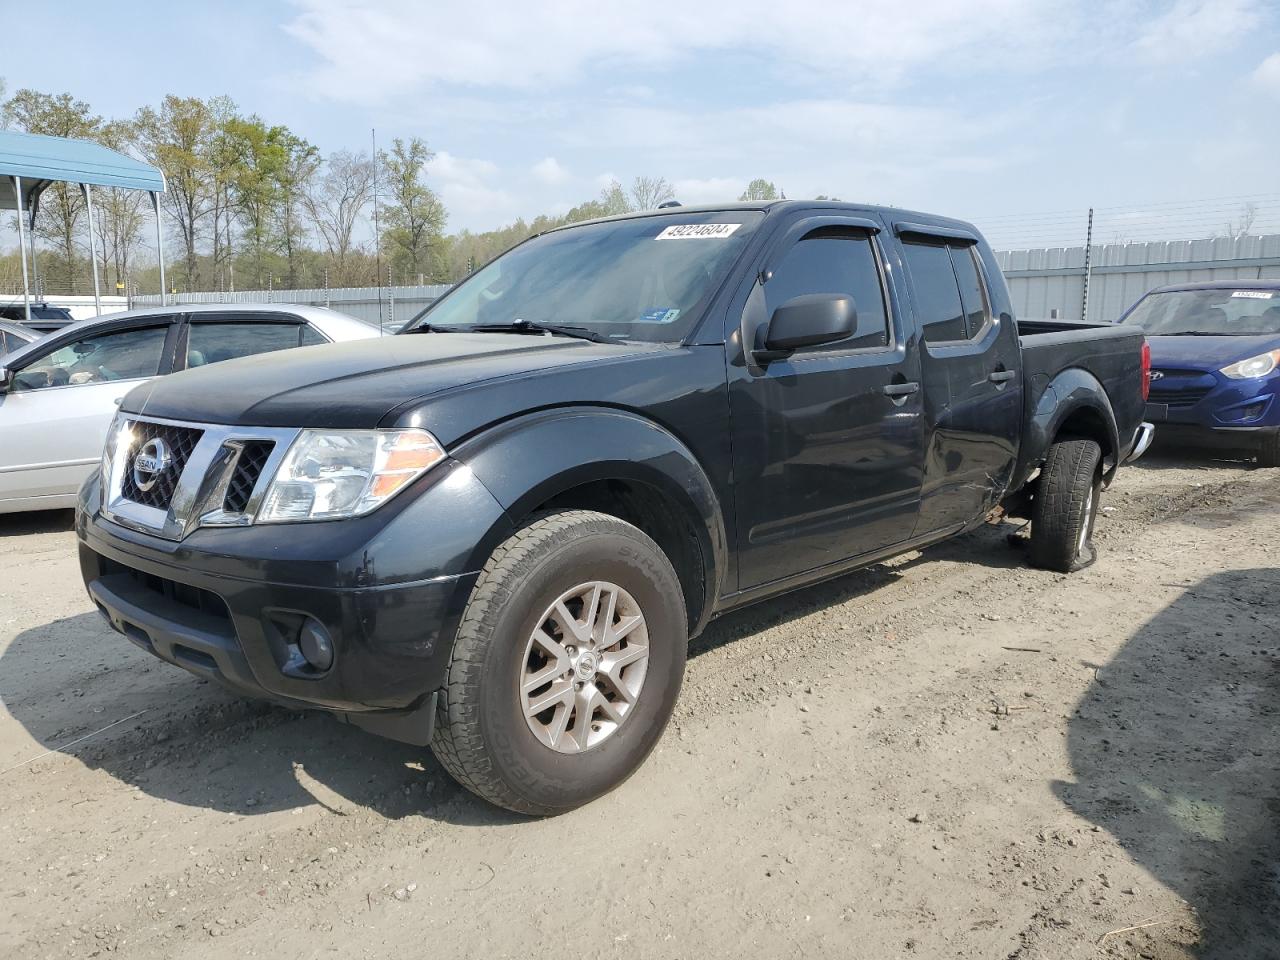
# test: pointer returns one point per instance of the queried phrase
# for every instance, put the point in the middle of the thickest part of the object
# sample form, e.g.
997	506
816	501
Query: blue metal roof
41	160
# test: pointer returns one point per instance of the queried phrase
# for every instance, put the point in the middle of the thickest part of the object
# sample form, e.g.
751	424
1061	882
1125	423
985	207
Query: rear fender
1076	402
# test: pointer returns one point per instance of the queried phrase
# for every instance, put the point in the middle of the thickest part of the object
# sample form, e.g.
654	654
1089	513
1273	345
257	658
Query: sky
1018	114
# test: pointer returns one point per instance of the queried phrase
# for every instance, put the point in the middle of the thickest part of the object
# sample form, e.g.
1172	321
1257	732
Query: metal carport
30	163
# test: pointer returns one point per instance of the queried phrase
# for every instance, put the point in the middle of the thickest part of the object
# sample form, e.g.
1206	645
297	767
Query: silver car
58	395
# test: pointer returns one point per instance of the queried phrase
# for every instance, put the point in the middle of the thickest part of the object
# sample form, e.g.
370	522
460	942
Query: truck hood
1207	353
355	385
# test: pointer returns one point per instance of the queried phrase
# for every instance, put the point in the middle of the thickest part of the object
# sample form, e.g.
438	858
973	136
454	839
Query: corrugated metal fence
1041	281
391	306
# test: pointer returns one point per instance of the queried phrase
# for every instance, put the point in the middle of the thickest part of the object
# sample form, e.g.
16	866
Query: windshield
640	279
1232	313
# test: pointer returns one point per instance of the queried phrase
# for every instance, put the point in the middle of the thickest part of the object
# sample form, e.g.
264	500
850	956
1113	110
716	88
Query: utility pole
377	231
1088	268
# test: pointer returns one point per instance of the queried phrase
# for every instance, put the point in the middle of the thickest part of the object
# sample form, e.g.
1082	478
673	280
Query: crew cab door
826	441
971	373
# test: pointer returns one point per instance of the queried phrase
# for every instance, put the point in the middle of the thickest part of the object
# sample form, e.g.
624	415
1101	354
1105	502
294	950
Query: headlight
119	435
346	473
1258	366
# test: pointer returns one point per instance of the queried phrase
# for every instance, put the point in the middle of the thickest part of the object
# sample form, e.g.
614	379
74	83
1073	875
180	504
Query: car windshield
646	278
1217	312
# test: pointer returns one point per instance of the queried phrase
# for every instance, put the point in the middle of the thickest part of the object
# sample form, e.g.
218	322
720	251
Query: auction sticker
1253	294
698	231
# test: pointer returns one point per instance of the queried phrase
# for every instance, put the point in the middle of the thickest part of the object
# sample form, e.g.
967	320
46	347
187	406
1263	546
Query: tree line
250	204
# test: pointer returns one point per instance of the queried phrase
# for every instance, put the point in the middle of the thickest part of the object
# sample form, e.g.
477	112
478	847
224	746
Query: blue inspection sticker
659	315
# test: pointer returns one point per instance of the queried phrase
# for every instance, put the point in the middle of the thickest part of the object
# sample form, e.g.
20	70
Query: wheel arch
614	462
1075	405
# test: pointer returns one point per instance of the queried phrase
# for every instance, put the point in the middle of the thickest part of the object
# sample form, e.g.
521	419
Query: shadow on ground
195	744
1176	752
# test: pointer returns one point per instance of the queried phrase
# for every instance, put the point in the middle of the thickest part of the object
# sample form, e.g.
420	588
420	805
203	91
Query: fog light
317	648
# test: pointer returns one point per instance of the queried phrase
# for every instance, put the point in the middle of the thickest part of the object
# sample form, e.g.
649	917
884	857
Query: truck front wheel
566	666
1066	505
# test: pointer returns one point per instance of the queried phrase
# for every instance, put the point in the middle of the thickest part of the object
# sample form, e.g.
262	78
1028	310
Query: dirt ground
948	755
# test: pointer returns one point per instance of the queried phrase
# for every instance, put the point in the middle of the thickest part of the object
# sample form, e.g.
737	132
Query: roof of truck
768	206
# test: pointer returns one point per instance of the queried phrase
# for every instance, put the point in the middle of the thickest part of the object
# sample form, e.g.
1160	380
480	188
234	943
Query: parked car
15	335
58	395
1215	364
496	531
45	318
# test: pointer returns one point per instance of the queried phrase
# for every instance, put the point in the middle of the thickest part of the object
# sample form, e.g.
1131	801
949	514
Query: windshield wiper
1193	333
529	326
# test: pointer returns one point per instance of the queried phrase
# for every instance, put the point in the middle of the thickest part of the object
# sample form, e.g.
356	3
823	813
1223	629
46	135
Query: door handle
1002	376
900	389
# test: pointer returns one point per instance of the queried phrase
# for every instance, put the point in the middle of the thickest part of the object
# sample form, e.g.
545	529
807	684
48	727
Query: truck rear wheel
1066	505
566	666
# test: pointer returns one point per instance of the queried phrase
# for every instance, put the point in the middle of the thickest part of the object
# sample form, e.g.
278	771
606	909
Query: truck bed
1107	353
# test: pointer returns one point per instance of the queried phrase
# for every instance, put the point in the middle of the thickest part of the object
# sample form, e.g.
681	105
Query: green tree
760	189
61	206
414	217
259	154
614	200
179	138
297	169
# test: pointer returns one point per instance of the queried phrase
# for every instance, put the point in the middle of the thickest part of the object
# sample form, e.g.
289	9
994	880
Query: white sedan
58	395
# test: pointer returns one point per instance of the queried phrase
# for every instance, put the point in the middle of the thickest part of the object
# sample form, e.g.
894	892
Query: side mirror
807	321
6	379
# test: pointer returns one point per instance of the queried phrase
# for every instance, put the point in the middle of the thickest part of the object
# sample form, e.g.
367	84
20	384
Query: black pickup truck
496	532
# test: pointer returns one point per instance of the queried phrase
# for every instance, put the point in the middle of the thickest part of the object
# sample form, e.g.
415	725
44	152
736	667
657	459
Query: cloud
395	48
1193	29
1267	77
549	171
466	187
709	189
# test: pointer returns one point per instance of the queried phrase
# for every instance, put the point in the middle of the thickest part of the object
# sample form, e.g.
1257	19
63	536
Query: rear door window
972	294
937	294
218	340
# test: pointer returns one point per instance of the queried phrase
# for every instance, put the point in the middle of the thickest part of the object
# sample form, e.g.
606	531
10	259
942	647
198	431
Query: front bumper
1239	439
389	589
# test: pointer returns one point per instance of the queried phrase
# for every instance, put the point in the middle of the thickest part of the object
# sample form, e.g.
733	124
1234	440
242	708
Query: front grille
1179	396
253	457
179	441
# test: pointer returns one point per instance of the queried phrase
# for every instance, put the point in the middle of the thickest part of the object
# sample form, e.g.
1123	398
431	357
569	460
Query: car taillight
1146	370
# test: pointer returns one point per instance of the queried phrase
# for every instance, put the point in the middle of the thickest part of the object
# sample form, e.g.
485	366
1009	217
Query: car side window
834	260
311	336
937	295
972	293
950	298
120	355
215	341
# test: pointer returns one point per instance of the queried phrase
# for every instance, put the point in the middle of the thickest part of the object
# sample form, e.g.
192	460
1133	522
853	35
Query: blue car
1215	364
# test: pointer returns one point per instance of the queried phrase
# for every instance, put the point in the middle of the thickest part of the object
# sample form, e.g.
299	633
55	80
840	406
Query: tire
1066	507
483	737
1269	450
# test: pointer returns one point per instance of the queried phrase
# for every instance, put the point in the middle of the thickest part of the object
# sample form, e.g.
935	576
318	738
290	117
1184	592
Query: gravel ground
947	755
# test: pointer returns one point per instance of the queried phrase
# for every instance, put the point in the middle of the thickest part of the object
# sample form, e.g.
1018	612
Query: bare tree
121	214
336	201
1241	226
648	192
